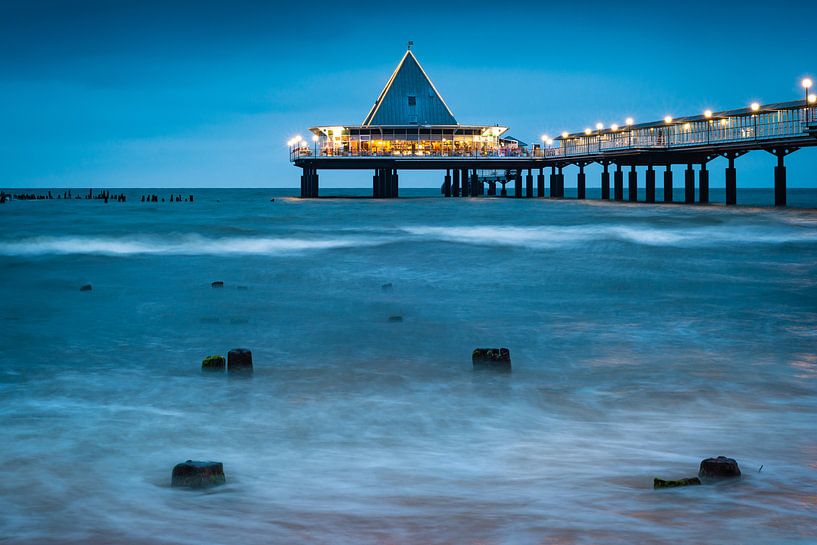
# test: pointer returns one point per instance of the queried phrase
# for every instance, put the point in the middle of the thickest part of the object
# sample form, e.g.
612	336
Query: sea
643	339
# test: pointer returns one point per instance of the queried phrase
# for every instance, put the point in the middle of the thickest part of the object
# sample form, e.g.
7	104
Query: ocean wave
177	245
552	236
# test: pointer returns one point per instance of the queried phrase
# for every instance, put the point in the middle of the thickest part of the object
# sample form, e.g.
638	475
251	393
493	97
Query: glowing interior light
724	122
599	126
755	106
806	83
668	119
588	132
708	114
629	121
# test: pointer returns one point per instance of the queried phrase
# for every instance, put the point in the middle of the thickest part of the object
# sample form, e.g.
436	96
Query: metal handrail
765	125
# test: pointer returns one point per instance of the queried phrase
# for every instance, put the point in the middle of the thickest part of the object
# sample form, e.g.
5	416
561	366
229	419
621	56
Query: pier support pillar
780	175
703	184
581	183
605	183
618	184
504	191
492	189
376	184
731	182
529	184
689	185
780	182
650	183
517	182
455	183
632	185
668	184
554	183
447	184
475	185
561	179
540	183
394	191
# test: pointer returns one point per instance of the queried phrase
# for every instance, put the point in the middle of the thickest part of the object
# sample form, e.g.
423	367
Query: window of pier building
407	141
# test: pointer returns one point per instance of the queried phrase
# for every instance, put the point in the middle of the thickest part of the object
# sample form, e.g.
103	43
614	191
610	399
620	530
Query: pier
410	127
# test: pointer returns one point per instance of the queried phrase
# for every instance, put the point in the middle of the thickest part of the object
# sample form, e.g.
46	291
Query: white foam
552	236
177	245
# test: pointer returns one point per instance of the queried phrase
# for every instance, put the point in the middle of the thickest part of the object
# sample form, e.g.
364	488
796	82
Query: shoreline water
643	339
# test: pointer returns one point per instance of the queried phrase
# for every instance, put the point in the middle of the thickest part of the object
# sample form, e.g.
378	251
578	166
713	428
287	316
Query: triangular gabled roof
409	98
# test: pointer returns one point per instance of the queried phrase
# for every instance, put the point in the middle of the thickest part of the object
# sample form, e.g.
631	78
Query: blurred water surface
643	338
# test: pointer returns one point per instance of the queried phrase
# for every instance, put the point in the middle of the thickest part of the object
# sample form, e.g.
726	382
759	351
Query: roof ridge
385	92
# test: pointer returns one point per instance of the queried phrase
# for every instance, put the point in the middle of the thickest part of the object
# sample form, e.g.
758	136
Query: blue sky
206	94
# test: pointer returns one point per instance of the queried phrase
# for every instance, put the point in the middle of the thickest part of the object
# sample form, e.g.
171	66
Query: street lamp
806	83
315	139
544	143
708	116
668	120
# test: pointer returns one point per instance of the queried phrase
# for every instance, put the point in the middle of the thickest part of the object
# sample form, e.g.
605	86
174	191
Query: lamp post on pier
629	122
755	107
599	127
807	83
708	116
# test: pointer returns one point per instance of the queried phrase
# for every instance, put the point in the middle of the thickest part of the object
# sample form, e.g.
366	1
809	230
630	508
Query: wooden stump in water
491	358
660	483
192	474
719	468
213	363
239	360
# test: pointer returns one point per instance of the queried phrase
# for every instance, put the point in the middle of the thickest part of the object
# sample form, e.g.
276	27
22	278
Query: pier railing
760	124
765	124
